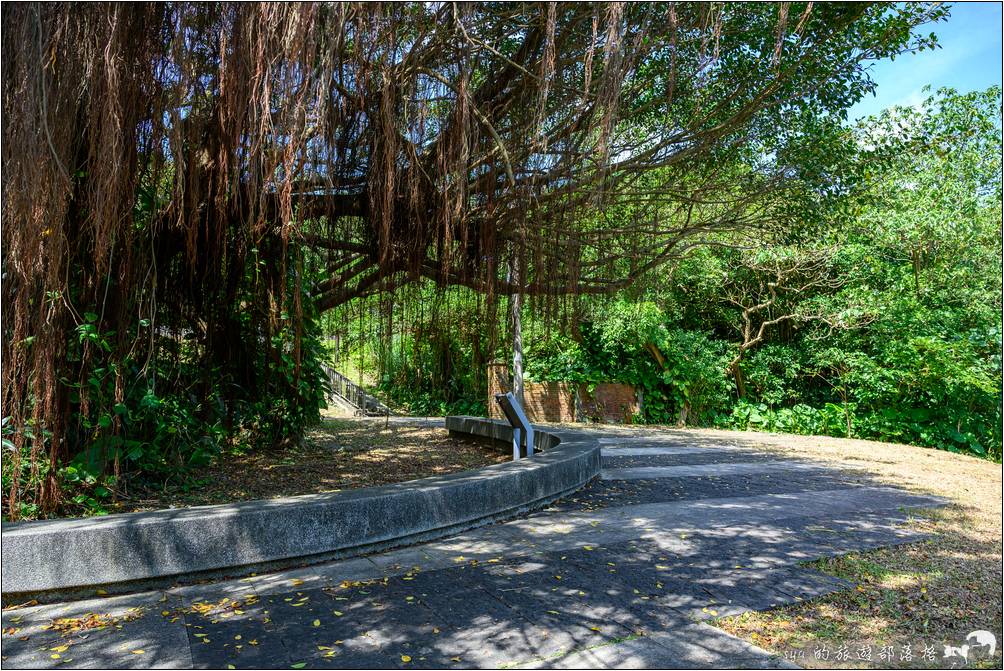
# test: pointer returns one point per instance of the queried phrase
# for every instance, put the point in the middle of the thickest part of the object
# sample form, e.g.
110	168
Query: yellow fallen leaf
435	630
338	613
237	637
405	658
317	623
323	647
139	652
100	592
554	612
59	648
54	656
587	547
295	581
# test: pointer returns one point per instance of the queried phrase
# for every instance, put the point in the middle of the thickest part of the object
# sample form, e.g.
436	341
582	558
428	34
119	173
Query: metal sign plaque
521	427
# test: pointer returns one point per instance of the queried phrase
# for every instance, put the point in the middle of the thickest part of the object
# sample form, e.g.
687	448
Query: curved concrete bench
130	550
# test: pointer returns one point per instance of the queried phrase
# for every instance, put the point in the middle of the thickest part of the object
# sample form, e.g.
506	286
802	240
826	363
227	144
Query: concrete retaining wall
137	549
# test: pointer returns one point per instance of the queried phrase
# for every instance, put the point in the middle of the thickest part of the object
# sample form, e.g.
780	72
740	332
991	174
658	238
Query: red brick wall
610	402
549	402
498	383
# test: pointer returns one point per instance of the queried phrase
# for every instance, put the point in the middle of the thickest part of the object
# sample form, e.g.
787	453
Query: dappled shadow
619	560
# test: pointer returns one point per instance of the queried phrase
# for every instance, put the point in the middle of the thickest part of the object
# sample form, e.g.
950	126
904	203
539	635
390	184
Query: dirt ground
336	455
909	601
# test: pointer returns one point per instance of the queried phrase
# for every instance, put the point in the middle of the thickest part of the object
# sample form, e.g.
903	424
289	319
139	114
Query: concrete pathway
622	574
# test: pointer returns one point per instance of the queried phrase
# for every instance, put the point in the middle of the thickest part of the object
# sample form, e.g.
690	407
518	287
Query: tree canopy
188	184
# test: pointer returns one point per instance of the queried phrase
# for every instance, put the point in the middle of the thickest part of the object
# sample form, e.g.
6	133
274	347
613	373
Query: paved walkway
622	574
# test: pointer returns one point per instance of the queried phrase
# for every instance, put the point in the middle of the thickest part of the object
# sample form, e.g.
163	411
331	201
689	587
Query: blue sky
969	59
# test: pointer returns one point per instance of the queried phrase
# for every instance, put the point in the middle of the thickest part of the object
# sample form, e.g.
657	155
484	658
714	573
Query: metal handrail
365	403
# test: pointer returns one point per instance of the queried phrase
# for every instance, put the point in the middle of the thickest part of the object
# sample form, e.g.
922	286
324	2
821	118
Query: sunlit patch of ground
925	595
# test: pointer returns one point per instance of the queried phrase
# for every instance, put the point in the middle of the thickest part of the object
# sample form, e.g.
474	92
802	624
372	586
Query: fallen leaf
405	658
139	652
317	623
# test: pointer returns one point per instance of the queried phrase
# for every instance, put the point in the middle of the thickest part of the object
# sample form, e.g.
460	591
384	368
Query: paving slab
619	451
711	648
619	575
696	470
321	575
120	632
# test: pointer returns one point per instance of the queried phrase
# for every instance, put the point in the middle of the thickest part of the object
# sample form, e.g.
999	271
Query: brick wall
549	401
610	402
498	383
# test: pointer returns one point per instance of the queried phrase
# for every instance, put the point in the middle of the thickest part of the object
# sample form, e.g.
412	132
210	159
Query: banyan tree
187	185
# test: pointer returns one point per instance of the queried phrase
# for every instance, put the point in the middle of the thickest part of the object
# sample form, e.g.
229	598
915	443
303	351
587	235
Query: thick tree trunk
737	373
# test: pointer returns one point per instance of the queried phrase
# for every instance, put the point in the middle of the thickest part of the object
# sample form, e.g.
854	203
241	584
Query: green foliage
910	285
149	431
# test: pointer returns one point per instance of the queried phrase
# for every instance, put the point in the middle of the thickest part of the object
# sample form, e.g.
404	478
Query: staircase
350	397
